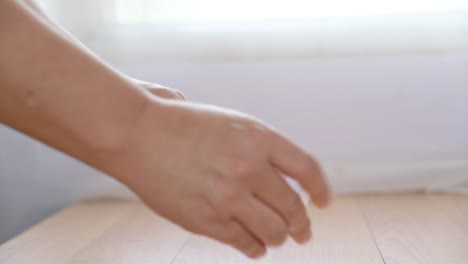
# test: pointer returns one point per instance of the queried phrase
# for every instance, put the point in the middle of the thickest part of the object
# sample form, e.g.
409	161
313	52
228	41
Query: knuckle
258	134
203	220
230	194
244	169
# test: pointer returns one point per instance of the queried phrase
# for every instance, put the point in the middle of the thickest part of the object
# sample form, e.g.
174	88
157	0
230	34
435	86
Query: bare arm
213	171
52	89
155	89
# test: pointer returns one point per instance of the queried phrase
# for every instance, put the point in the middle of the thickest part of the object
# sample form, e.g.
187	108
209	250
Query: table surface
403	228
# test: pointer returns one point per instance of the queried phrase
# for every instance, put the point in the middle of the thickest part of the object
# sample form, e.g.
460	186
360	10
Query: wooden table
390	229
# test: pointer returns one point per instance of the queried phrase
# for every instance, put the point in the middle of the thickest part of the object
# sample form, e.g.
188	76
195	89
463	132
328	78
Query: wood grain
370	229
98	232
140	237
413	229
62	235
458	210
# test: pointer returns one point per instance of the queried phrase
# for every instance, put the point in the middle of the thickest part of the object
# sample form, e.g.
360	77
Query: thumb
159	90
166	93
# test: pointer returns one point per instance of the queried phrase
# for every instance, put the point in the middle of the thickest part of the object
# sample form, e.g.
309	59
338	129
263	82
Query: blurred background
376	90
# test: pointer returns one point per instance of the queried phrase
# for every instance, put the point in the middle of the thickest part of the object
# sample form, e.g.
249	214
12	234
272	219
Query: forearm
154	88
34	8
54	91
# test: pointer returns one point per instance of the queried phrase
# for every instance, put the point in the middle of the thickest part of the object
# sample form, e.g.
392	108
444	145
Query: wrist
152	135
113	134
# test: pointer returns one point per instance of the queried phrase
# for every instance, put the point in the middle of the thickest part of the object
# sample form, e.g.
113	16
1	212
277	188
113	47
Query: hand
213	171
217	172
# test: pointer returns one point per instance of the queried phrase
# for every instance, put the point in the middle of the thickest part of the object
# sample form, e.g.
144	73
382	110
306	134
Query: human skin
213	171
153	88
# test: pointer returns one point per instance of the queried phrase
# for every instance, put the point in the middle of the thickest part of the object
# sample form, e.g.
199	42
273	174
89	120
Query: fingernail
322	199
257	253
327	199
305	237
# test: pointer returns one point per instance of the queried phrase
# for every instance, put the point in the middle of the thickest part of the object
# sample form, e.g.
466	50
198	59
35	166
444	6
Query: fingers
236	235
297	164
275	192
261	221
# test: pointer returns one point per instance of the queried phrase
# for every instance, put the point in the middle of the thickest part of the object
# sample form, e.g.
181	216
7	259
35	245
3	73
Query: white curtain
259	28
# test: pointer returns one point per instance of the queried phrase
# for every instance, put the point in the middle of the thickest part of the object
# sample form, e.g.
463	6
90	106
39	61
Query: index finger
301	166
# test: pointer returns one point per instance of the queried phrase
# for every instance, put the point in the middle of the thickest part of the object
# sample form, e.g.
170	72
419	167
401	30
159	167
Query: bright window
144	11
145	30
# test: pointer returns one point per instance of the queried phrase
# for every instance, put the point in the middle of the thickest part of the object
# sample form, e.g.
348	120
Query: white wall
376	123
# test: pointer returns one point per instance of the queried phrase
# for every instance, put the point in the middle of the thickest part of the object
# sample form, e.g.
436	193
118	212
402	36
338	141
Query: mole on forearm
30	98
